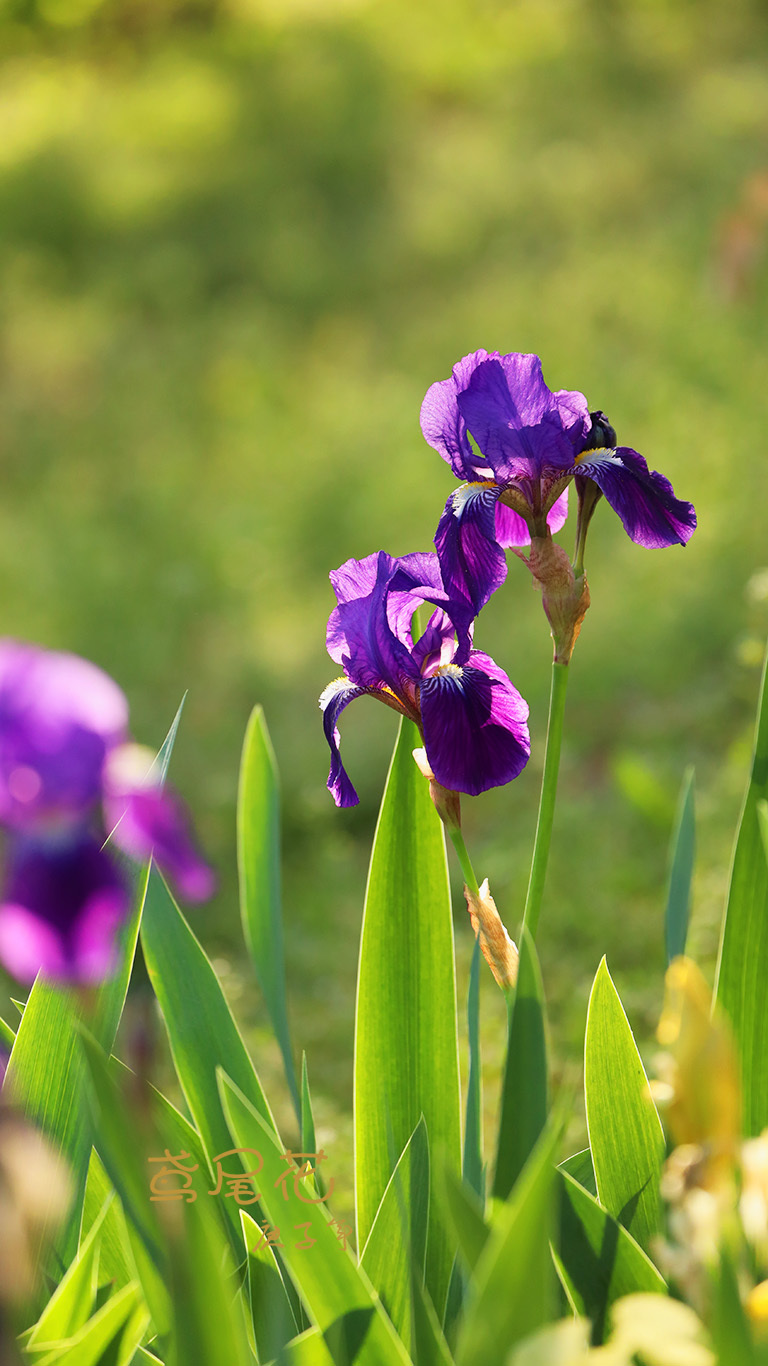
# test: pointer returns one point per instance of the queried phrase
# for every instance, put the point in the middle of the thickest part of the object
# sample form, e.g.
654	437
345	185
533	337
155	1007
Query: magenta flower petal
443	425
61	910
512	529
521	427
149	821
58	717
471	559
475	726
645	501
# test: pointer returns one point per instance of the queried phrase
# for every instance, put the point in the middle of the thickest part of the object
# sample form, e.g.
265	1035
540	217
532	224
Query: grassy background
237	243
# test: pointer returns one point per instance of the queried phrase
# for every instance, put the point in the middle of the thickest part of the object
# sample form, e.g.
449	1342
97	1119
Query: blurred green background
238	240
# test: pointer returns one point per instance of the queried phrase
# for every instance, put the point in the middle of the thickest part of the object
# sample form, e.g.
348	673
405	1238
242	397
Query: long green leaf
113	1334
625	1134
472	1169
524	1094
396	1246
681	860
47	1076
71	1304
308	1349
465	1214
598	1260
336	1292
406	1049
513	1286
258	857
115	1261
201	1030
579	1166
743	963
274	1323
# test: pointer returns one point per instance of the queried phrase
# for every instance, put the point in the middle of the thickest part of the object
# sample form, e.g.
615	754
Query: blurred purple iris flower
528	445
472	719
70	777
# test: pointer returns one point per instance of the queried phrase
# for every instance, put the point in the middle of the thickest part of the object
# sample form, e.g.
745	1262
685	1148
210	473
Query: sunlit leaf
337	1293
681	860
472	1169
406	1050
200	1026
743	963
524	1093
513	1287
258	857
396	1246
625	1134
598	1260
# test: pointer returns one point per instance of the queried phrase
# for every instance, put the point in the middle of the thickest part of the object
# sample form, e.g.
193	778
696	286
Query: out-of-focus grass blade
524	1094
681	859
428	1344
337	1294
406	1050
597	1259
200	1026
113	1334
743	963
307	1117
465	1213
125	1163
308	1349
731	1331
762	819
7	1035
274	1323
209	1316
625	1134
72	1302
47	1077
397	1241
473	1124
514	1281
579	1166
258	858
46	1073
115	1261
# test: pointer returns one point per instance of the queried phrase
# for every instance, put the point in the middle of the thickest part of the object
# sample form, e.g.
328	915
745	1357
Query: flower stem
464	859
547	798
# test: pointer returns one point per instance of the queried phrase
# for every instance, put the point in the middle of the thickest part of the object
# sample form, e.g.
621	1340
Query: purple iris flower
472	719
518	445
69	779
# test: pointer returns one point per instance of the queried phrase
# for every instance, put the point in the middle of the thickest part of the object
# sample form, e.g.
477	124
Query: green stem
547	798
464	859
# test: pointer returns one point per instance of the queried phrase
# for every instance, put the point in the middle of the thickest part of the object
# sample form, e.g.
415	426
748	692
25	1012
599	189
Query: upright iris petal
517	444
64	784
472	719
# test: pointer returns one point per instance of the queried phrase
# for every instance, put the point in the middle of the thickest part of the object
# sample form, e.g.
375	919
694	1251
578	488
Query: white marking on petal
336	686
466	493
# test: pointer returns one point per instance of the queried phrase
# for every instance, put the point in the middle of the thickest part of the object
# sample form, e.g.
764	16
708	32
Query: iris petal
442	423
61	909
151	821
645	501
475	726
520	426
58	716
333	700
472	561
